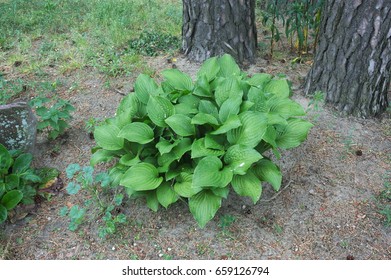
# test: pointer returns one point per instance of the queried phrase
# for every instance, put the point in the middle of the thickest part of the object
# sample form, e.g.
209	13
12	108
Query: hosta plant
17	180
200	140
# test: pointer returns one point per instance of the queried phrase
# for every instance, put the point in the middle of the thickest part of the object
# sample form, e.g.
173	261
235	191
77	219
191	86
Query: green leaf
165	146
144	87
292	134
227	87
101	155
181	125
22	163
11	199
278	87
207	107
240	158
152	201
127	109
141	177
215	141
5	160
183	185
202	87
209	69
257	96
159	109
267	171
137	132
198	149
247	185
222	192
12	181
254	125
106	136
230	107
166	195
73	188
259	80
204	206
228	66
203	118
232	122
285	107
210	173
178	80
3	214
72	169
129	159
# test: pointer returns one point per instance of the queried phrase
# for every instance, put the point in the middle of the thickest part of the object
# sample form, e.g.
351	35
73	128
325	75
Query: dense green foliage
154	43
196	140
17	180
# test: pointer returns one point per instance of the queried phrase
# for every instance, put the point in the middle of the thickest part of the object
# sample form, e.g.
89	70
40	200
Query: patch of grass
384	200
71	34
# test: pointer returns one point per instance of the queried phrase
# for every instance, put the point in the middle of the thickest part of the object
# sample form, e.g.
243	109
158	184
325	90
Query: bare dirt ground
327	208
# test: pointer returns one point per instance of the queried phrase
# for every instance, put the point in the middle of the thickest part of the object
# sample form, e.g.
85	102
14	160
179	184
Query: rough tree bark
212	28
353	61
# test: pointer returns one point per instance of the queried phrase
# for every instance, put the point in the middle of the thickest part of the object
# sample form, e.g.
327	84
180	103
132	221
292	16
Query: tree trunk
353	60
212	28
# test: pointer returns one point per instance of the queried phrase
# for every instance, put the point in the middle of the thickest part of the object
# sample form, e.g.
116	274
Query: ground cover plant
196	140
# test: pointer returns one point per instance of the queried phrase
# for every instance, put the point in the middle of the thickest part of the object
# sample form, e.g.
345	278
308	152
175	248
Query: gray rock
18	127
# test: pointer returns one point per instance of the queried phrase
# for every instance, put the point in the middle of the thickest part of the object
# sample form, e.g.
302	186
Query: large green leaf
209	69
228	66
11	199
183	185
240	158
228	87
181	124
203	118
5	160
141	177
127	109
259	79
137	132
232	122
202	87
210	173
3	214
267	171
204	206
285	107
207	107
216	142
292	134
12	181
187	105
278	87
144	87
258	98
166	195
254	125
178	80
106	136
230	107
152	201
159	109
22	163
247	185
198	149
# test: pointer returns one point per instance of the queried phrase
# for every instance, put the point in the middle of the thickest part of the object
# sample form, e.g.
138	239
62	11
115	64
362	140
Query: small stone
113	248
161	255
312	192
243	206
18	126
169	249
